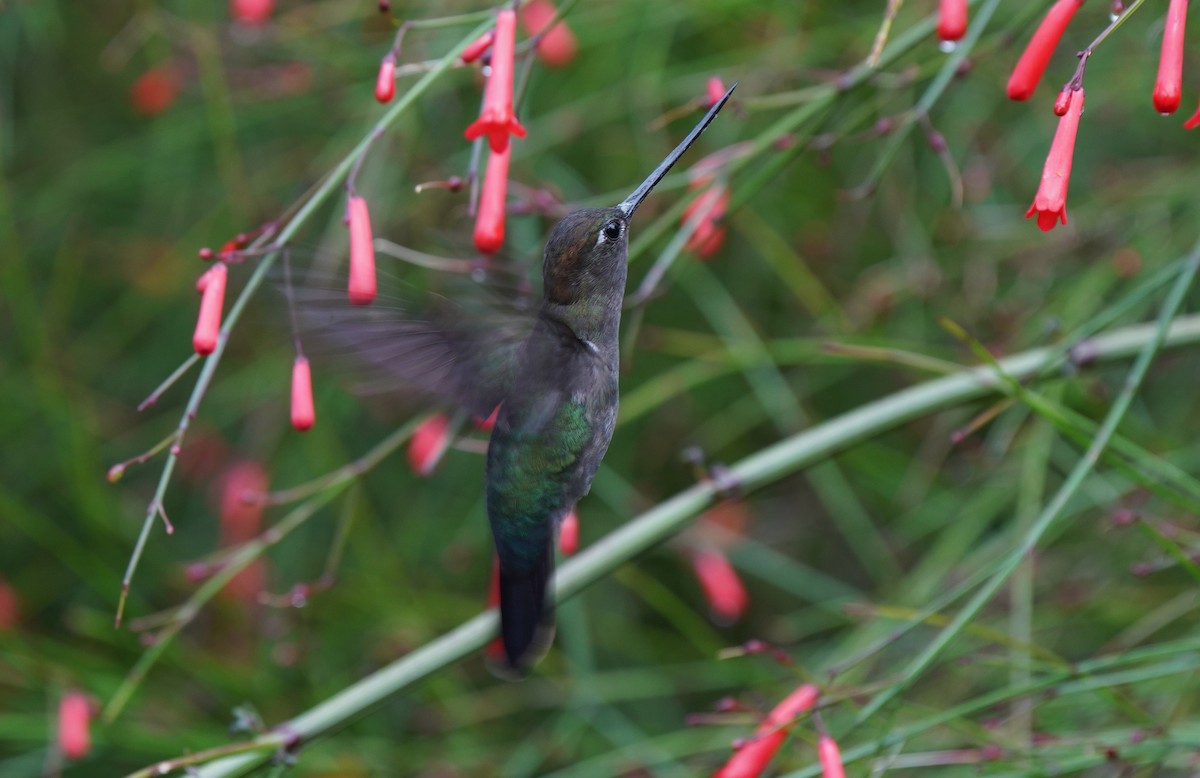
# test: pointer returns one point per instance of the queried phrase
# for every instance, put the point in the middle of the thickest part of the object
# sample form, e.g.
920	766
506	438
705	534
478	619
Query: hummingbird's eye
612	231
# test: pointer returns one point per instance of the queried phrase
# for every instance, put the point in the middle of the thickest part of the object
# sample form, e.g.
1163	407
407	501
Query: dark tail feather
526	615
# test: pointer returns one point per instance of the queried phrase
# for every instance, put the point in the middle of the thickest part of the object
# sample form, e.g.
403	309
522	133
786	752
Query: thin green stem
652	527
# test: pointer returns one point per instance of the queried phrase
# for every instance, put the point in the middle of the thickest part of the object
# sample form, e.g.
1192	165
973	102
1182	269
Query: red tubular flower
496	120
362	253
952	20
1168	87
211	286
304	414
752	758
154	91
722	587
428	442
476	48
240	510
74	725
1050	202
831	758
710	234
568	534
385	82
489	221
557	46
1032	64
1062	103
251	11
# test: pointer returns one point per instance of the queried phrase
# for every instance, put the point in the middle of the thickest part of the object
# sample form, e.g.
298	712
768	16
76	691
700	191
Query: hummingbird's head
585	255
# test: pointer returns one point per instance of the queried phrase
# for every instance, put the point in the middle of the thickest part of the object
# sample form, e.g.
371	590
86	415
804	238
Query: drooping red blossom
240	520
1050	202
710	233
1169	85
489	220
239	512
714	90
385	82
1193	122
304	413
952	19
211	286
154	91
752	758
477	47
557	46
1032	64
727	598
496	120
568	534
831	758
75	725
10	606
251	11
428	442
362	253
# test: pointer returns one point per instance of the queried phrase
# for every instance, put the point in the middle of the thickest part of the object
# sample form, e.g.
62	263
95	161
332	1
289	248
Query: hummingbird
553	374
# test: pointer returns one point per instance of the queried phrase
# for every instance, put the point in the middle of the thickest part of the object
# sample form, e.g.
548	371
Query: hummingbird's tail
526	615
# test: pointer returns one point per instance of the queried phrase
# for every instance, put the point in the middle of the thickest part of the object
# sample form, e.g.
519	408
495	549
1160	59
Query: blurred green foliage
103	208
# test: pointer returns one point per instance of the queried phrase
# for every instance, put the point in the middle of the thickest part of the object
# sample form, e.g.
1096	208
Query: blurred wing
460	346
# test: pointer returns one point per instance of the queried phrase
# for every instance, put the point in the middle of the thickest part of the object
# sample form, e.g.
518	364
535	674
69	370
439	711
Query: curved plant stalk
785	458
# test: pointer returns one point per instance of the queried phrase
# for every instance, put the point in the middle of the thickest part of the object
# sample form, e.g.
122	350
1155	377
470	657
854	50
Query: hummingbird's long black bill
630	204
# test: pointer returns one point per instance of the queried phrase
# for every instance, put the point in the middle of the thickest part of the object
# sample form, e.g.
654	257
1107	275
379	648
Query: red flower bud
428	443
1032	64
303	412
952	19
831	758
211	286
714	90
496	120
362	253
476	48
154	91
1050	202
568	534
1168	87
1062	103
752	758
74	725
251	11
489	221
723	588
557	46
710	234
385	82
241	509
